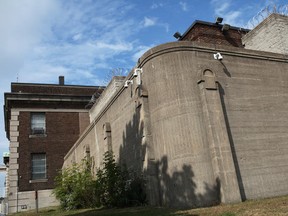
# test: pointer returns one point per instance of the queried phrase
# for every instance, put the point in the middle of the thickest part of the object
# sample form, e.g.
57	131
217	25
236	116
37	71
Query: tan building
203	119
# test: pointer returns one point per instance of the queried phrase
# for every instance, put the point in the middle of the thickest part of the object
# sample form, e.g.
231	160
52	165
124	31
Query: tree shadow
132	151
177	190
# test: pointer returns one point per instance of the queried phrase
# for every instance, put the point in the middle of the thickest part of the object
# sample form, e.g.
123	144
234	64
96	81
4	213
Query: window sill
38	181
37	135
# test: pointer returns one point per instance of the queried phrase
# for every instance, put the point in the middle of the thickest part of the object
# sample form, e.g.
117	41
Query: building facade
203	119
42	123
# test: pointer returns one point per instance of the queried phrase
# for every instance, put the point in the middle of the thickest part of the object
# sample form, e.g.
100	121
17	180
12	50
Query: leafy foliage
76	187
118	187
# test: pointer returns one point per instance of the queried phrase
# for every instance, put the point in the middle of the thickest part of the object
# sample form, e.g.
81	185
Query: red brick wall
62	131
212	34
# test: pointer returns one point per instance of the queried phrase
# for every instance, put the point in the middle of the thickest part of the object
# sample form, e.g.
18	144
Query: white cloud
20	31
155	5
74	38
77	37
183	6
153	21
221	8
225	9
147	22
233	17
115	47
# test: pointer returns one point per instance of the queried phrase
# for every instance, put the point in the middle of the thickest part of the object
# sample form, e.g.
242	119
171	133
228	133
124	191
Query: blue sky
84	40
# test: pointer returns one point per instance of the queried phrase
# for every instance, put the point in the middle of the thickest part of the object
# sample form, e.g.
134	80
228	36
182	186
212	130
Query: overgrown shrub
76	187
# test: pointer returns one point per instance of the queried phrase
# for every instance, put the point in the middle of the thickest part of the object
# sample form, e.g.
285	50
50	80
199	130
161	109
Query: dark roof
35	88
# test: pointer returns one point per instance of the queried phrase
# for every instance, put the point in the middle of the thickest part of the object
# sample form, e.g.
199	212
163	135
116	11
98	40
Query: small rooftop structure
214	33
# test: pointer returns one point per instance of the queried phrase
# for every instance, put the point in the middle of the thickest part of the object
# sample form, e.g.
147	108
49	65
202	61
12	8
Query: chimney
61	80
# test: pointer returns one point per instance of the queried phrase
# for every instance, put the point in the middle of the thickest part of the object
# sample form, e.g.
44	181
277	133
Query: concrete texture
202	131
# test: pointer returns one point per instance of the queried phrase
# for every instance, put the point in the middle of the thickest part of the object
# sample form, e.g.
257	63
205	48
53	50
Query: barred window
38	123
39	166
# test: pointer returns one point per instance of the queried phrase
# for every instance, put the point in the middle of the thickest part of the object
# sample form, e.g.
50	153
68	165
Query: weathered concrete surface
270	35
112	87
25	201
199	138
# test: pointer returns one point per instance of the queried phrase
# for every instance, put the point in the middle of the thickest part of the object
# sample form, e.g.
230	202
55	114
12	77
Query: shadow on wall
179	189
172	190
132	151
232	145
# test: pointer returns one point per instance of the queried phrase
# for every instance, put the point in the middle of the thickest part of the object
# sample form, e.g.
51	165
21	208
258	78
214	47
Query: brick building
214	33
42	122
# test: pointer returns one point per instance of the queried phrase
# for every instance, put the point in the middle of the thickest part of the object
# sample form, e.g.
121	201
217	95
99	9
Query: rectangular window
39	166
38	125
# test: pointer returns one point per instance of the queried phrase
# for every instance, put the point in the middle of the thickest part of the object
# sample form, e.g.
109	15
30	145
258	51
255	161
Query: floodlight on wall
137	72
127	82
218	56
219	20
177	35
225	27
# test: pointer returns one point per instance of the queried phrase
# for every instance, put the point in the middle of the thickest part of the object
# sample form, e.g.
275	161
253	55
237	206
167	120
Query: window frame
33	172
41	122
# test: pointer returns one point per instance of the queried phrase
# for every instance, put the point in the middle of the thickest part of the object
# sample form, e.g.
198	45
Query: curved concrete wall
179	137
253	97
201	130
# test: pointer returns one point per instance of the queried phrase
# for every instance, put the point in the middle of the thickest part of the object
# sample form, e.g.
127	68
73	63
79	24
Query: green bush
111	181
76	187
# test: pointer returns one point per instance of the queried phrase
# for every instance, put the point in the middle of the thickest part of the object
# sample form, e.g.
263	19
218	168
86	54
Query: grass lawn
274	206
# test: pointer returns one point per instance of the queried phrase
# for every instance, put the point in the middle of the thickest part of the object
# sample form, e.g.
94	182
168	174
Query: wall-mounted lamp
177	35
137	72
219	20
218	56
225	27
127	82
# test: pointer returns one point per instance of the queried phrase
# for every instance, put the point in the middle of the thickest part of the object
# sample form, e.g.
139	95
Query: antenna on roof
17	78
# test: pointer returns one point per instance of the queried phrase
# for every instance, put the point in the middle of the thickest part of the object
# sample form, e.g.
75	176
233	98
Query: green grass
266	207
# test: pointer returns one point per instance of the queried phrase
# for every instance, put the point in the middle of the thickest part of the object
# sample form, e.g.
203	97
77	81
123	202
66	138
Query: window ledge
37	135
38	180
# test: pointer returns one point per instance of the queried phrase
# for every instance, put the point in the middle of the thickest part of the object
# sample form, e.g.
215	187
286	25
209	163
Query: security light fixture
137	71
219	20
177	35
225	27
218	56
127	82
